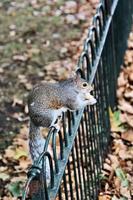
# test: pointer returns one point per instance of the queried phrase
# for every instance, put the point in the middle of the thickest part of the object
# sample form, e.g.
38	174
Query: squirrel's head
84	88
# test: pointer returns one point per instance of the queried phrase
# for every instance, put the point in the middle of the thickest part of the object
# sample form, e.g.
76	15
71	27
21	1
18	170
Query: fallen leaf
4	176
104	197
122	176
22	142
120	92
20	57
114	161
128	94
24	163
116	124
3	168
16	100
107	167
117	184
15	188
125	106
115	198
125	154
118	145
129	119
20	153
122	79
125	192
9	152
128	135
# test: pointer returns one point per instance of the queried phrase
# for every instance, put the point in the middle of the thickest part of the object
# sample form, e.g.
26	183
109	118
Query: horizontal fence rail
85	134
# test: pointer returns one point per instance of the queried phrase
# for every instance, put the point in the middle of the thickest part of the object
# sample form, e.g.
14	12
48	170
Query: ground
28	32
39	40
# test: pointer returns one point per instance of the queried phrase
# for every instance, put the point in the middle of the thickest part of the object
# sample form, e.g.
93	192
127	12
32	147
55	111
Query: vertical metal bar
65	187
92	143
75	175
84	146
81	157
70	180
79	166
90	161
64	130
60	194
69	123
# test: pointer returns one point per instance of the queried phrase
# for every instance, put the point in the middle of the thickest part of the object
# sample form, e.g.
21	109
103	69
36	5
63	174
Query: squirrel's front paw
91	99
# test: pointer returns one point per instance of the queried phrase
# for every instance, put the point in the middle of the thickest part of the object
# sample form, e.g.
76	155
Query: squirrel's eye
85	84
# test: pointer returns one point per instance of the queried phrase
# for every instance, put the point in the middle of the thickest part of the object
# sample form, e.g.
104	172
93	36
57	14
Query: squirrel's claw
57	124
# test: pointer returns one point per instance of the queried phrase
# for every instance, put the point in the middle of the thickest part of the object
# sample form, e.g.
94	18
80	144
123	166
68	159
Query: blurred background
42	40
39	40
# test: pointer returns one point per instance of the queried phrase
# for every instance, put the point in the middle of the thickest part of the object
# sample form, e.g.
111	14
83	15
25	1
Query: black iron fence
83	141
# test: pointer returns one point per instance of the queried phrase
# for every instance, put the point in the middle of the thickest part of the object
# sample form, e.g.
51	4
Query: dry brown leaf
120	92
108	161
131	77
117	184
123	117
106	187
105	173
28	86
125	154
128	57
115	121
20	57
127	135
9	152
21	143
26	110
124	191
22	78
118	145
125	106
24	132
16	100
18	116
129	119
3	168
107	167
128	93
115	135
70	7
24	163
104	196
18	178
122	79
114	161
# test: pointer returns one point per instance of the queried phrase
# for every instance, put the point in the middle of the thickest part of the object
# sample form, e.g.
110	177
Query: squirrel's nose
91	88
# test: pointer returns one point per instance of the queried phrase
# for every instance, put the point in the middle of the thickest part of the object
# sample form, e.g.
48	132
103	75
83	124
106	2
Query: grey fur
46	103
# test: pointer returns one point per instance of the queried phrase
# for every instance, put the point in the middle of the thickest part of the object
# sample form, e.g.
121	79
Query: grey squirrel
46	103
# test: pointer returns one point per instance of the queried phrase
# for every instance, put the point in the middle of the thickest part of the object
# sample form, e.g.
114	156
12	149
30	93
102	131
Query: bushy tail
36	146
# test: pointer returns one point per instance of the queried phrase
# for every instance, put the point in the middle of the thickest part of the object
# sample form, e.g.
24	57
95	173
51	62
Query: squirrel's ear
77	74
73	75
80	73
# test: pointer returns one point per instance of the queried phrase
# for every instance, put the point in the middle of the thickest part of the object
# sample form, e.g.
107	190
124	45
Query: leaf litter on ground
117	173
28	32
